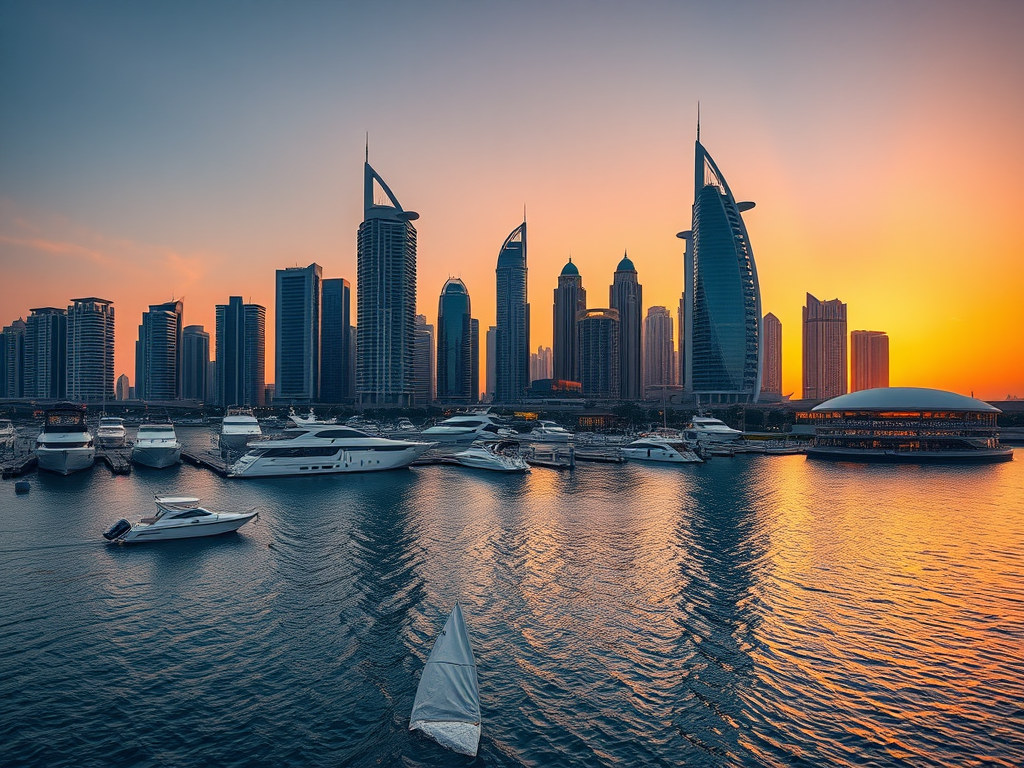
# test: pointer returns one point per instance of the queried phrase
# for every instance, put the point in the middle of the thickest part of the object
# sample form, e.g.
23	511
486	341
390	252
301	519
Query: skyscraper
240	350
455	344
659	348
474	353
123	387
423	363
297	366
195	363
492	346
681	353
385	298
869	360
570	300
598	333
46	344
540	364
771	375
626	297
824	349
723	310
14	359
512	363
335	332
158	352
90	349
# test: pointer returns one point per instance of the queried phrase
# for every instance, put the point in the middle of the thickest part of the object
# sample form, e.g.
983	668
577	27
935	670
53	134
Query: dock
601	455
118	460
206	459
551	456
18	465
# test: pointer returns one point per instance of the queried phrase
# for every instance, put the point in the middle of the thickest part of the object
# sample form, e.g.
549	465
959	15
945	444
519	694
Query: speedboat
308	421
111	432
157	446
7	433
178	517
658	448
65	444
497	457
322	449
550	432
237	428
466	427
708	429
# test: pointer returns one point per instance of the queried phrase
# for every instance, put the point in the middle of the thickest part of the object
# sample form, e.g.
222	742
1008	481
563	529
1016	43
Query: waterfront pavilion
905	424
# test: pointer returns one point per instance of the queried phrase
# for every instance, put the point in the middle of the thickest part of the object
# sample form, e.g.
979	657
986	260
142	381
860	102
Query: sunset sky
190	149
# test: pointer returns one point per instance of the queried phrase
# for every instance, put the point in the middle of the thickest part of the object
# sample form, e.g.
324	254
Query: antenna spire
698	122
368	143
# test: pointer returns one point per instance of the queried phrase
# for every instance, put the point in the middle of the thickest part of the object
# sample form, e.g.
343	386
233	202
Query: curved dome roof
905	399
625	265
570	268
454	285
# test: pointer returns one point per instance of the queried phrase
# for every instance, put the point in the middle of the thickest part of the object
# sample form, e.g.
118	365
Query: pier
118	460
206	459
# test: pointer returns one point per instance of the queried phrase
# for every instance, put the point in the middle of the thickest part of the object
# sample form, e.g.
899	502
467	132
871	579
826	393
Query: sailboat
447	704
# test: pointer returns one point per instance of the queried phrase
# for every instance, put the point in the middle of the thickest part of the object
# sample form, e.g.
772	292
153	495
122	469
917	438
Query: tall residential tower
626	297
824	349
570	300
512	353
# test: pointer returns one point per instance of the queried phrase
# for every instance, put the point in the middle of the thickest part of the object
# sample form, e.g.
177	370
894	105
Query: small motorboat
178	517
447	703
549	432
111	432
497	457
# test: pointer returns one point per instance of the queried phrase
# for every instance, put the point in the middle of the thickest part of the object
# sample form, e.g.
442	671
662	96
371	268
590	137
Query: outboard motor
117	530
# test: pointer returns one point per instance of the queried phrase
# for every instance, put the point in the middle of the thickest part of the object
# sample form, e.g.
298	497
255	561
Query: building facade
598	343
869	360
297	361
512	354
158	352
659	348
824	326
570	300
195	363
491	375
124	388
626	297
771	359
240	352
46	343
385	298
455	344
14	359
335	333
722	316
474	352
423	364
540	364
91	349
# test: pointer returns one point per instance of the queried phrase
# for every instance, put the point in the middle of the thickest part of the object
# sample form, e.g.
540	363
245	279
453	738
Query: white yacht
308	421
238	427
7	433
156	446
322	449
497	457
65	444
708	429
111	432
549	432
178	517
467	427
659	448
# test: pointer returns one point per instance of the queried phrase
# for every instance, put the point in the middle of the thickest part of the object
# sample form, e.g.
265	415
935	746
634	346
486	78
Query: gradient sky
190	149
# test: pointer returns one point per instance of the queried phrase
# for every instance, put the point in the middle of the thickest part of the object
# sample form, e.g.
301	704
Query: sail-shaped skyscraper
385	297
512	341
722	323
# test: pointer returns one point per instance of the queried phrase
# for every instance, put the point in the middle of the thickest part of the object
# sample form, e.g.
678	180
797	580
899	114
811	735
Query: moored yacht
111	432
660	448
157	446
708	429
466	427
238	427
497	457
65	444
308	421
7	433
549	432
321	449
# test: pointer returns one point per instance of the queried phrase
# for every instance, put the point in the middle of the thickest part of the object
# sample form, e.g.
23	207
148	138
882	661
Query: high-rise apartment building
14	359
195	361
681	353
570	300
240	352
46	344
824	349
90	349
869	360
474	353
297	362
771	358
722	323
598	343
385	297
335	335
512	364
491	375
158	352
123	389
626	297
540	364
659	348
423	363
455	344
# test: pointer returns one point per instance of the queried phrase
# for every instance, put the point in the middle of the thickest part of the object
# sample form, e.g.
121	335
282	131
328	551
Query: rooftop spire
698	121
368	144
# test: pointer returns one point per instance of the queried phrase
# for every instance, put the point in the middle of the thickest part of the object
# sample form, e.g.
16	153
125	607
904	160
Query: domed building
906	424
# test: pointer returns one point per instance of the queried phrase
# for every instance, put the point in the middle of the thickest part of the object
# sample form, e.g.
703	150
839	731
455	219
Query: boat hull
986	456
141	533
490	467
659	456
342	462
64	461
157	457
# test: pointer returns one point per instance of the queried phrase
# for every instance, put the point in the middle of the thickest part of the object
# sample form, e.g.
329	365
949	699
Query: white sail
447	704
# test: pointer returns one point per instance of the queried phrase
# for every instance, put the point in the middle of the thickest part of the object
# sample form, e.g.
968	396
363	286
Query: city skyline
173	189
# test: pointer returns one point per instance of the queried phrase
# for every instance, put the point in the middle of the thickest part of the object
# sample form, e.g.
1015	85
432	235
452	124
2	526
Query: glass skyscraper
626	297
158	352
240	350
335	333
723	311
598	332
512	342
46	342
385	297
297	367
90	349
570	300
195	363
454	344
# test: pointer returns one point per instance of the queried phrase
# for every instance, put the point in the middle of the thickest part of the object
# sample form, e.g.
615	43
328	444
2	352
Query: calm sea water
750	611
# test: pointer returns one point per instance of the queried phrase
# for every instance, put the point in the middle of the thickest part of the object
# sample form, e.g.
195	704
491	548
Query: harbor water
749	611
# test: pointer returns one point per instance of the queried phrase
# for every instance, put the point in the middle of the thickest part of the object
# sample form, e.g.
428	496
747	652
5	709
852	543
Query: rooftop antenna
524	213
368	143
698	122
